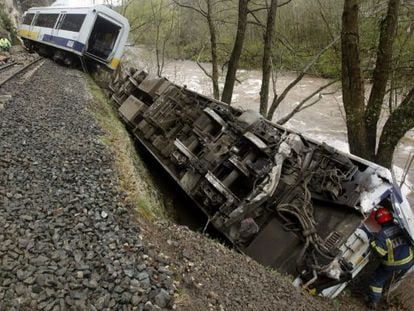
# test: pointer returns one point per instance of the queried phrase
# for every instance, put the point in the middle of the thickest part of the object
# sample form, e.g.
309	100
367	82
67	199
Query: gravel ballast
67	240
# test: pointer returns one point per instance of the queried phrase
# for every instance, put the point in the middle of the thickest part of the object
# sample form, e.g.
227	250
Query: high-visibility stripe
379	249
402	261
28	34
390	251
377	290
115	62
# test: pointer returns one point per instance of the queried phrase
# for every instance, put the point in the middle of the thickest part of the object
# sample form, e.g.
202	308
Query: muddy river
324	121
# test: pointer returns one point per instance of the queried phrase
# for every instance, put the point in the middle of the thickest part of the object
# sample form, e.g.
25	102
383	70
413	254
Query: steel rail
7	65
19	71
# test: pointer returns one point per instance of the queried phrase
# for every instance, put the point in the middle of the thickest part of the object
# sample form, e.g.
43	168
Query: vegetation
133	176
306	36
6	26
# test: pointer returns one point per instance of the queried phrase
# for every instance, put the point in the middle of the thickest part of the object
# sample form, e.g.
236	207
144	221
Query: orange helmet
383	215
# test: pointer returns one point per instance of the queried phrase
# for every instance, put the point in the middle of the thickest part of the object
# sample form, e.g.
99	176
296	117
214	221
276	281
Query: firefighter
5	44
396	251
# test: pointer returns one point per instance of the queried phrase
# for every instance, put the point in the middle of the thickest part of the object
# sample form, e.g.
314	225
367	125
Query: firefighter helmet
383	215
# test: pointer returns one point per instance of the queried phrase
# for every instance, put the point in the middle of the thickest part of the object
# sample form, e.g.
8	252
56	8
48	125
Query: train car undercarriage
286	201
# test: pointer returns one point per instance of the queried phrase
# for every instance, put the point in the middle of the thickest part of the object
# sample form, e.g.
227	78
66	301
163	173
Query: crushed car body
287	201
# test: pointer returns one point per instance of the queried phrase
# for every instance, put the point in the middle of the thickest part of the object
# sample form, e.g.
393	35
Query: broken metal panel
285	200
131	108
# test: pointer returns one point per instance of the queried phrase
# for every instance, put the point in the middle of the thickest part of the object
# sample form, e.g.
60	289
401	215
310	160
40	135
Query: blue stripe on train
77	46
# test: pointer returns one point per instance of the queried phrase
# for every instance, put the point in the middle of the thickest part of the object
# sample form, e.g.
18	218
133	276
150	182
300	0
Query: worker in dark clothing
395	249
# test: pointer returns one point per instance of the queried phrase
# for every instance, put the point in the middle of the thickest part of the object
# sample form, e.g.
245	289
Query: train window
28	18
46	20
73	22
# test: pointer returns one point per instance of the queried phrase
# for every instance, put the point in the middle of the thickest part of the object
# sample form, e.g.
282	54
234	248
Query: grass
133	176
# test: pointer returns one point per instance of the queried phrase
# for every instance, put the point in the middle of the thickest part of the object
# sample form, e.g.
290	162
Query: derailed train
94	34
285	200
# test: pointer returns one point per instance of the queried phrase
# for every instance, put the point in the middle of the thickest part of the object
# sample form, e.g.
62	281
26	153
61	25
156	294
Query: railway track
4	67
15	73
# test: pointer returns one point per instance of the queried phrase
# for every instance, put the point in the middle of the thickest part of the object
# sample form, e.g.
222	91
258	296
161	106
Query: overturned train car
287	201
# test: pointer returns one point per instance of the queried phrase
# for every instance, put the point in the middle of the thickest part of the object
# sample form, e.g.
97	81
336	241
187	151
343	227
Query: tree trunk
381	72
213	43
267	51
352	81
401	121
235	55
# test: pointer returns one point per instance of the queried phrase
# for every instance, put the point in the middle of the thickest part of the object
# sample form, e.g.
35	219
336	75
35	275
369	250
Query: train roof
97	7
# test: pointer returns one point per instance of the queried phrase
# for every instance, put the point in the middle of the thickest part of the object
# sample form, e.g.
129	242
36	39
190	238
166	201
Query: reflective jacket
5	44
394	247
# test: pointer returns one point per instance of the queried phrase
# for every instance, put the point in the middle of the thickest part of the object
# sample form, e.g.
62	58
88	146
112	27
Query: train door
103	38
55	30
32	25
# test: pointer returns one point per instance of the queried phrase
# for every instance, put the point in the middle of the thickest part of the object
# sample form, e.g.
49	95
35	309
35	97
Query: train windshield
103	38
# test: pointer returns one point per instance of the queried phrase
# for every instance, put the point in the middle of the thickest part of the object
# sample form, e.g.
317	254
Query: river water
324	121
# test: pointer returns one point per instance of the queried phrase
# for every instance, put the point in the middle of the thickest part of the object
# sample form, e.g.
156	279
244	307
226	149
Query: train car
94	33
286	200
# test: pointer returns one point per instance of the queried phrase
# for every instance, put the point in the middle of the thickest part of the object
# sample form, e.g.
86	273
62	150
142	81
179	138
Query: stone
129	273
29	281
20	290
93	284
136	300
162	298
148	306
141	267
126	297
102	302
143	276
5	98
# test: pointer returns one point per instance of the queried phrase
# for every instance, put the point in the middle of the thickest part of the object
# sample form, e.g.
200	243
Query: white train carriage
95	32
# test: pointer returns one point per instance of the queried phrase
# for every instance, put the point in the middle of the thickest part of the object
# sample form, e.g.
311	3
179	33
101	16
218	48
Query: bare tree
236	52
267	68
277	99
161	35
362	118
267	55
208	14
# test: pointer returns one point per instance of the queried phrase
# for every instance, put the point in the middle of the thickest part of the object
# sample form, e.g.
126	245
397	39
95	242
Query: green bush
6	26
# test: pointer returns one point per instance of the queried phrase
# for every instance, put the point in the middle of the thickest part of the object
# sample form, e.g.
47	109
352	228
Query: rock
162	298
141	267
37	289
104	214
20	290
29	281
102	302
136	300
76	294
129	273
126	297
5	98
148	306
142	276
92	284
77	256
118	289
